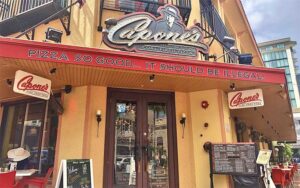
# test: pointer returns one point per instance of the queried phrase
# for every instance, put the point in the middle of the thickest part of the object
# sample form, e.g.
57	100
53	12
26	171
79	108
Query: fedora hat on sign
18	154
170	10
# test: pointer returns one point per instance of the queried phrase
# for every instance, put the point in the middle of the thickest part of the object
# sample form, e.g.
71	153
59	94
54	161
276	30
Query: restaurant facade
138	87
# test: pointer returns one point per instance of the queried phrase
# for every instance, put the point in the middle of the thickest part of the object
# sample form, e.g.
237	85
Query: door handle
147	150
137	153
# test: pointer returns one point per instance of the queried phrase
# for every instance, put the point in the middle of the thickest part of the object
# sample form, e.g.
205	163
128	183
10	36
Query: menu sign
234	159
245	99
75	173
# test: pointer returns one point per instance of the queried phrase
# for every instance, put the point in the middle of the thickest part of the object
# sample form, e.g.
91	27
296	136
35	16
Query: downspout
100	16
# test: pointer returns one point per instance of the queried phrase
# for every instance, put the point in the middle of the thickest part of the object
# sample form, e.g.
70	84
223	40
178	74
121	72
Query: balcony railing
12	8
150	6
214	26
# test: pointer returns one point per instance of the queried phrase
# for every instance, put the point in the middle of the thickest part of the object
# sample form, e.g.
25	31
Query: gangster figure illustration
170	21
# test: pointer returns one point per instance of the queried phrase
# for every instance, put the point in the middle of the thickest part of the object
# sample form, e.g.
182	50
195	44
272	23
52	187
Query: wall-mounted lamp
245	59
98	118
151	78
54	35
110	22
182	122
228	41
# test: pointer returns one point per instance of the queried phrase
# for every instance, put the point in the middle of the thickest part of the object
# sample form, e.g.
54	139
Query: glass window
288	78
268	64
287	70
32	126
277	55
269	48
290	86
284	54
292	94
293	103
280	45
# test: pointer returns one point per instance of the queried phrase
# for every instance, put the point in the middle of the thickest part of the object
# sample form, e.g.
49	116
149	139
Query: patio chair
38	181
278	177
7	180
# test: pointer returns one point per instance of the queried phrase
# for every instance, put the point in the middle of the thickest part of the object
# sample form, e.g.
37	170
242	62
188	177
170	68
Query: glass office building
280	54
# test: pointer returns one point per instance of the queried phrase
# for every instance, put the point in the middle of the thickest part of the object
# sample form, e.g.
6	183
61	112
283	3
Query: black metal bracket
49	19
65	21
30	34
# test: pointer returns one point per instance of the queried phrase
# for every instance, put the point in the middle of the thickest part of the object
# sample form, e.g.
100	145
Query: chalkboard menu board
234	159
75	173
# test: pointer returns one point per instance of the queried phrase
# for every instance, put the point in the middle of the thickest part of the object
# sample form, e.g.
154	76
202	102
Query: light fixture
207	146
182	122
68	89
283	94
98	118
54	35
110	22
151	78
9	82
228	41
232	86
206	124
245	59
52	71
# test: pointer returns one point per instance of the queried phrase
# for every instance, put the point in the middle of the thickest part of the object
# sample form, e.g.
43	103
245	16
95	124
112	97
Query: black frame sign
234	159
166	34
75	173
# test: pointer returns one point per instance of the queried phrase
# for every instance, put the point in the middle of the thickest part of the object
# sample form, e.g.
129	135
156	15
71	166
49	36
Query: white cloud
274	19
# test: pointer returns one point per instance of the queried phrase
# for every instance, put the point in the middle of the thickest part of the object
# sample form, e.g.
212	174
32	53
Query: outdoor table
27	172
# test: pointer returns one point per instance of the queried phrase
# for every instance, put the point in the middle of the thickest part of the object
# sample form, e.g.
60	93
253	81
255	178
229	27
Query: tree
287	152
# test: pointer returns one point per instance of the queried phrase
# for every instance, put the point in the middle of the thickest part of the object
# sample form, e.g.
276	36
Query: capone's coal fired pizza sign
166	34
29	84
245	99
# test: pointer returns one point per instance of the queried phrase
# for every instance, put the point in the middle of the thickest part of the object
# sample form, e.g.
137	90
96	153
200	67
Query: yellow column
186	166
95	144
70	133
219	130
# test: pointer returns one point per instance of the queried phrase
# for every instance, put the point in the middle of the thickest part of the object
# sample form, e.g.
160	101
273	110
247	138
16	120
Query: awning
90	66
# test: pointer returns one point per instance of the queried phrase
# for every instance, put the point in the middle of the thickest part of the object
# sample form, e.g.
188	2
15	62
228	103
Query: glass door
140	141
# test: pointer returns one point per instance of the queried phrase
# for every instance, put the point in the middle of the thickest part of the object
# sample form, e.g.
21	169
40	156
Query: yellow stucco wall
69	143
186	166
77	136
94	144
216	115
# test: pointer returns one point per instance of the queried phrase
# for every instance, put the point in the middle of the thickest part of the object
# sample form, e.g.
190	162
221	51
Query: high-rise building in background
280	54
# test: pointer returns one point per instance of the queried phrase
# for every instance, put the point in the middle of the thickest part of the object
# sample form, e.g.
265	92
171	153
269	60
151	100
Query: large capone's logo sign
166	34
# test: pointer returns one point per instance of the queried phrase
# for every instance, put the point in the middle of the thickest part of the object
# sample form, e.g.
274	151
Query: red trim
28	50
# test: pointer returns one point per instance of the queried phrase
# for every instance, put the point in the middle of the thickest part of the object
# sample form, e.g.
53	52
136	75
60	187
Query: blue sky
274	19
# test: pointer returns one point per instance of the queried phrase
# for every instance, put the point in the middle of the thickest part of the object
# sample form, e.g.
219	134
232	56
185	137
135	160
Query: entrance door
140	141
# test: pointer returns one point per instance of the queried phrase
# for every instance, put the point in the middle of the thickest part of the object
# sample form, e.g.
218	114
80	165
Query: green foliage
287	152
